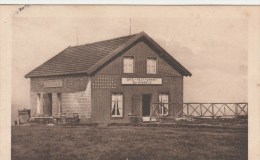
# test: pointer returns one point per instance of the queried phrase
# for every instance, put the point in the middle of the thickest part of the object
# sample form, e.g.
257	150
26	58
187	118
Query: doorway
146	103
47	104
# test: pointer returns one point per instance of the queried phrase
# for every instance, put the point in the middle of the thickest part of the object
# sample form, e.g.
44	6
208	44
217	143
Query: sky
211	42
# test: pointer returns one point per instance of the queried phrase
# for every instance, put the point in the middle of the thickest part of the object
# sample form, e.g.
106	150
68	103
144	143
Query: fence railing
214	109
200	109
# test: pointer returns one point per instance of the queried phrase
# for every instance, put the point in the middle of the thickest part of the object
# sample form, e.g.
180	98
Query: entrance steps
139	119
149	119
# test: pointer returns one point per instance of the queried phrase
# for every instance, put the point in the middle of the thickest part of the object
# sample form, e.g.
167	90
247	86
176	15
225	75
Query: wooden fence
214	109
201	109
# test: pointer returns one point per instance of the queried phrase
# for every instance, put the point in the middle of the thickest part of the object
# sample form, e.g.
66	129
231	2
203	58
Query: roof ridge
106	40
69	48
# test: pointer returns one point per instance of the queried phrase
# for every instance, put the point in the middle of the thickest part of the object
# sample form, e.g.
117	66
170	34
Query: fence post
246	108
236	109
224	110
187	109
200	110
213	114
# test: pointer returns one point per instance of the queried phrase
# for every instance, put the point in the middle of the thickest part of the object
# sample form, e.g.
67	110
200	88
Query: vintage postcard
130	82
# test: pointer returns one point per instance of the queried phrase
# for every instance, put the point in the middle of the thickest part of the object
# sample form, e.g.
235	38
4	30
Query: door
146	103
137	104
47	104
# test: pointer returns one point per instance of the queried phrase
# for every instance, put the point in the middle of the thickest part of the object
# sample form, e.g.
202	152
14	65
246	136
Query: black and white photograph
131	82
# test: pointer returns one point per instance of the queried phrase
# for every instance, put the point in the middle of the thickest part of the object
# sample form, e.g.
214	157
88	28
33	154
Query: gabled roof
91	57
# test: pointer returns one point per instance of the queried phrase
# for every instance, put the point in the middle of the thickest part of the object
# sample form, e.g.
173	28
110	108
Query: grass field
127	142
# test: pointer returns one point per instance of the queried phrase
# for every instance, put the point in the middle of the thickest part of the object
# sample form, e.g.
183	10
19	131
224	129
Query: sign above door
53	83
153	81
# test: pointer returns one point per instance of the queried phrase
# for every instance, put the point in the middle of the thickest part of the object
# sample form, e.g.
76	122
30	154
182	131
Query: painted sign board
53	83
152	81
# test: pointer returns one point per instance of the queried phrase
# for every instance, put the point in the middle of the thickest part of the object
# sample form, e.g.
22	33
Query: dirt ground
142	142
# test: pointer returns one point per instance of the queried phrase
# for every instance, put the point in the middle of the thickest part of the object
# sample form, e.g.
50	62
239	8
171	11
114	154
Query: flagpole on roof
77	36
130	26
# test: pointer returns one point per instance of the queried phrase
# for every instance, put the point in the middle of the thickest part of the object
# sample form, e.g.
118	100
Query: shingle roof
89	57
79	58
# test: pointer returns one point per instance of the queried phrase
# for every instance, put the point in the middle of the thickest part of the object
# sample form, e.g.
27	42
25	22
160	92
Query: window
117	105
128	64
151	65
164	104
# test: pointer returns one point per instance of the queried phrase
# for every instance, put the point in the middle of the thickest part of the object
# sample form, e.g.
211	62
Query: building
108	81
